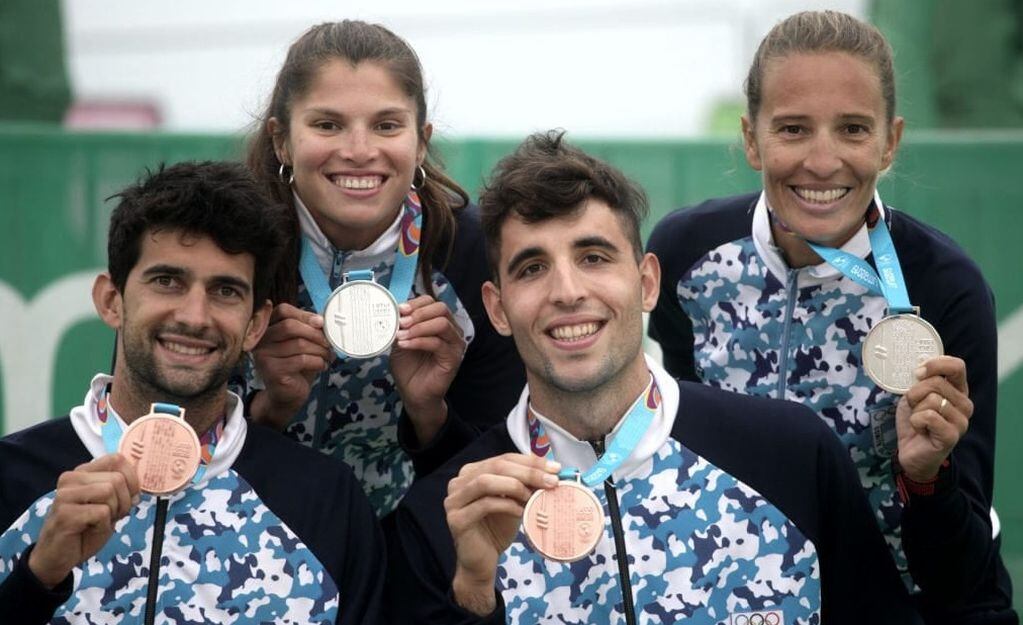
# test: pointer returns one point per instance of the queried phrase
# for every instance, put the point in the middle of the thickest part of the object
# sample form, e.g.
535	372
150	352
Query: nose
357	145
193	310
566	286
822	158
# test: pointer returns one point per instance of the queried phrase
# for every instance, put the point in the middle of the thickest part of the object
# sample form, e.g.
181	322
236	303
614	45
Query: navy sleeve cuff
24	599
466	617
452	437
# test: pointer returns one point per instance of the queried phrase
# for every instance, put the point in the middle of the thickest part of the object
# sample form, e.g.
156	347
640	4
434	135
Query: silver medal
361	319
895	347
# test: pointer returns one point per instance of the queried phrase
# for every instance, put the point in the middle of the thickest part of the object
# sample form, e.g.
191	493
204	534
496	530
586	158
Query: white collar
572	452
85	420
763	240
381	249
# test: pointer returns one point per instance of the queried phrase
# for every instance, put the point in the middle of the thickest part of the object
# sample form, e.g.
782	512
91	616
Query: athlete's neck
131	402
590	415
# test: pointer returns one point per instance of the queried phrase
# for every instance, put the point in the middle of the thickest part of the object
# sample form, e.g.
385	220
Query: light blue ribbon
403	274
637	421
887	281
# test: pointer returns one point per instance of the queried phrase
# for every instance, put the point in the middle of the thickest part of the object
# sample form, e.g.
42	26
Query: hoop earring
290	174
422	174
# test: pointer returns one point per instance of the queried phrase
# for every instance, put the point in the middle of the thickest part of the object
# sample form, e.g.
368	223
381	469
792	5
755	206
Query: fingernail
404	309
402	335
920	373
553	466
135	500
317	320
550	480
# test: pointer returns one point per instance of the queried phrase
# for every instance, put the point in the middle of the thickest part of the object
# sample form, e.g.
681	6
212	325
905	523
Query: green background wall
53	216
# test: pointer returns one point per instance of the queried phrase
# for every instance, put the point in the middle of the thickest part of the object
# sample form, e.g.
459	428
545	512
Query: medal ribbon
637	421
887	281
112	432
405	260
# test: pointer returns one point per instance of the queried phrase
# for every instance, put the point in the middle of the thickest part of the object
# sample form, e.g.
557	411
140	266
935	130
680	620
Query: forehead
593	218
338	82
196	254
821	82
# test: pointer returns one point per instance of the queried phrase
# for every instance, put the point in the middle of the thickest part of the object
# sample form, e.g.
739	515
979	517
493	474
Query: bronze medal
564	523
164	450
895	347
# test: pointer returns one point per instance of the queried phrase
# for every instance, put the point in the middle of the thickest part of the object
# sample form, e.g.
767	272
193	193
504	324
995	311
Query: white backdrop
646	68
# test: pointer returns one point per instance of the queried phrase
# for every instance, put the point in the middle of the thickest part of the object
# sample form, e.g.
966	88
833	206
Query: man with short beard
155	500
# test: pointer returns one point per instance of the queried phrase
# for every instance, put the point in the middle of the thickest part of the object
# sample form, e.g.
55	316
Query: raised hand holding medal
904	355
162	447
902	341
566	523
360	317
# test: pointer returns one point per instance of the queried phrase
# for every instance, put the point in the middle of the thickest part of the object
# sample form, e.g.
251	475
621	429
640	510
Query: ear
492	302
108	301
892	142
650	280
257	325
749	143
424	142
277	135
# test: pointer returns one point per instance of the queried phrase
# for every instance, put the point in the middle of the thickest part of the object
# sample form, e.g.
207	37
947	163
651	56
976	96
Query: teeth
358	182
575	332
821	197
178	348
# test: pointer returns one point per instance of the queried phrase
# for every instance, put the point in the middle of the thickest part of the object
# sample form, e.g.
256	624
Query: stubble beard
185	388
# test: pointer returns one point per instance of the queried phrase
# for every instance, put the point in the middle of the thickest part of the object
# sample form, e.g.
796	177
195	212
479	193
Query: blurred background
94	91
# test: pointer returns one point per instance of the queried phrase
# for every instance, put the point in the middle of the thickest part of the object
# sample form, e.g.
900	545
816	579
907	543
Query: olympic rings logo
771	617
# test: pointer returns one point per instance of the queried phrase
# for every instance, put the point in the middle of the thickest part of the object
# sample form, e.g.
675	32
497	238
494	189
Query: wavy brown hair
352	41
545	178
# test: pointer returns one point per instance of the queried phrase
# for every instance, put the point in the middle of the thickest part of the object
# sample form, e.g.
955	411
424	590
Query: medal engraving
564	523
361	319
895	347
164	450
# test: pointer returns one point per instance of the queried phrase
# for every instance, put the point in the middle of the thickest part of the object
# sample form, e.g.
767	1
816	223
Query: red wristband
908	486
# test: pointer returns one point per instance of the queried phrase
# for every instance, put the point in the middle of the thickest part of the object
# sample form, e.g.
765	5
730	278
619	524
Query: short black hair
546	177
220	200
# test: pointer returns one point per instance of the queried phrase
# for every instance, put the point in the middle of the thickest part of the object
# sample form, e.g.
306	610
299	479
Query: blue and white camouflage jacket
733	315
254	541
354	409
731	509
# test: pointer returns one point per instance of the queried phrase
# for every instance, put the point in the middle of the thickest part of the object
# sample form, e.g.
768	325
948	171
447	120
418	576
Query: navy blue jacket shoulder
324	527
729	318
767	454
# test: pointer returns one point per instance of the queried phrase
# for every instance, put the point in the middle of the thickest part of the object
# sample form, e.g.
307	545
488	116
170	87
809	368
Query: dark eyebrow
329	112
180	272
595	241
165	270
519	258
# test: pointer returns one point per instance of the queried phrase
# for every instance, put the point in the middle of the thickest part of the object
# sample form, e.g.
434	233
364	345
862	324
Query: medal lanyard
637	421
887	281
405	259
112	432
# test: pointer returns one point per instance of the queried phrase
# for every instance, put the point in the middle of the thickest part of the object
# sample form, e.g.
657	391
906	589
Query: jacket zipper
619	535
790	306
154	560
